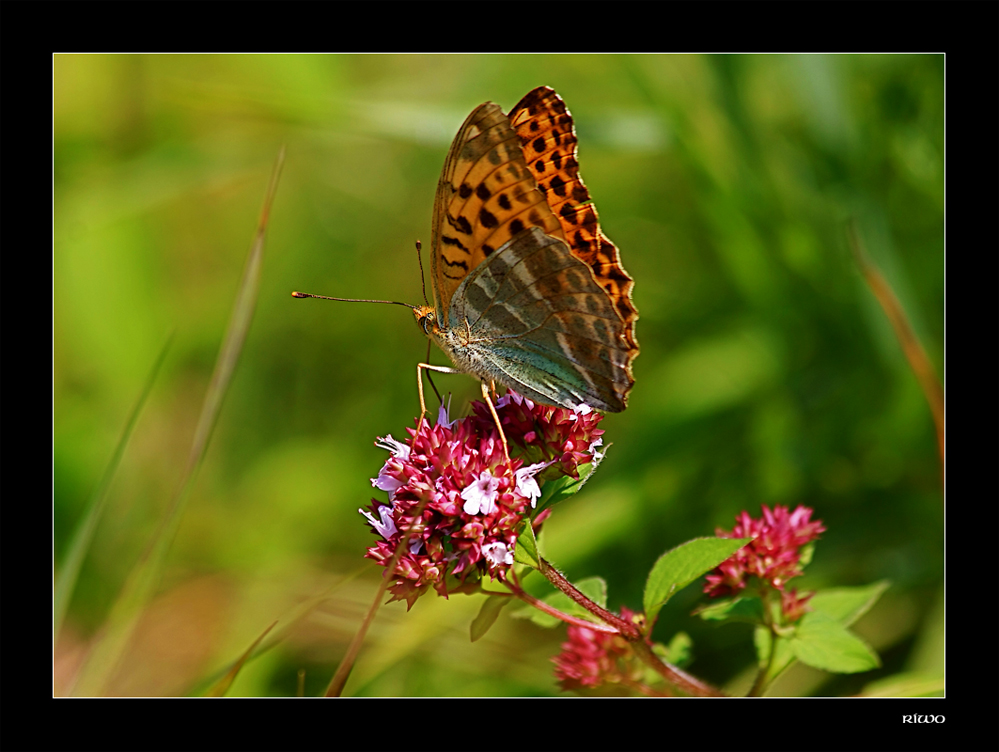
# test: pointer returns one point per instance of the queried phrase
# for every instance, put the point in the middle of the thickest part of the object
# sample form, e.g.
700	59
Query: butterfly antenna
419	258
349	300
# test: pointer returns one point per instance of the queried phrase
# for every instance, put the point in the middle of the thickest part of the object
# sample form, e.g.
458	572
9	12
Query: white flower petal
480	496
386	527
526	485
397	448
597	456
498	553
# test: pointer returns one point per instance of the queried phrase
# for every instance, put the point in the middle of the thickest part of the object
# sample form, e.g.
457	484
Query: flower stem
760	685
633	635
647	690
627	630
552	611
690	684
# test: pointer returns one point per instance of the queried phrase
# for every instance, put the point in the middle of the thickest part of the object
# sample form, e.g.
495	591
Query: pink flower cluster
773	556
590	658
452	489
546	433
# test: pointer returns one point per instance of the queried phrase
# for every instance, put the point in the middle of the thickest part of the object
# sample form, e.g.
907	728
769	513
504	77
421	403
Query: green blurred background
768	372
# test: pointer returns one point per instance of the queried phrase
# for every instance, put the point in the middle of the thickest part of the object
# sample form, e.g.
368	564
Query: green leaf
844	605
680	651
805	554
822	642
526	550
560	489
911	684
487	616
747	608
679	567
847	604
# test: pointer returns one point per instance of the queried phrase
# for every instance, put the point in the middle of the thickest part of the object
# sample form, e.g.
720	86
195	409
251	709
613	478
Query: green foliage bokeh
768	373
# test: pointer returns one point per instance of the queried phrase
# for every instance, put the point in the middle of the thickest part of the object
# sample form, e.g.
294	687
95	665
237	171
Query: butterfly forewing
486	196
548	140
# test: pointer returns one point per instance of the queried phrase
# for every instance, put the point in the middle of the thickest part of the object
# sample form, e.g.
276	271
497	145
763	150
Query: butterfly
528	291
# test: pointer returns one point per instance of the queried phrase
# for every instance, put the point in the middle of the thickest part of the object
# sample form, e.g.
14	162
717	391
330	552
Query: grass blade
339	680
65	580
911	346
222	686
289	622
116	633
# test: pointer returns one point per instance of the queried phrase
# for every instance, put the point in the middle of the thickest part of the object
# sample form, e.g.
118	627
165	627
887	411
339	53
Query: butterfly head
426	319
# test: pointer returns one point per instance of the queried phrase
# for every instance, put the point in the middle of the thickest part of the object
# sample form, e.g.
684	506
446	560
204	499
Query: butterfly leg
420	367
419	381
492	409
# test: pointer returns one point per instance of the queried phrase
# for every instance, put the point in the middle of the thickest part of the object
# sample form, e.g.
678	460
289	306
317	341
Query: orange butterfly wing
548	141
486	196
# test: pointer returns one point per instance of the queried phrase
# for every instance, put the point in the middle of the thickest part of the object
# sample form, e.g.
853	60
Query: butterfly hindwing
535	313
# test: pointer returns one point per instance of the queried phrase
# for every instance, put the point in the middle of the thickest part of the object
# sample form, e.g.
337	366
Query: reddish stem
626	628
552	611
633	635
